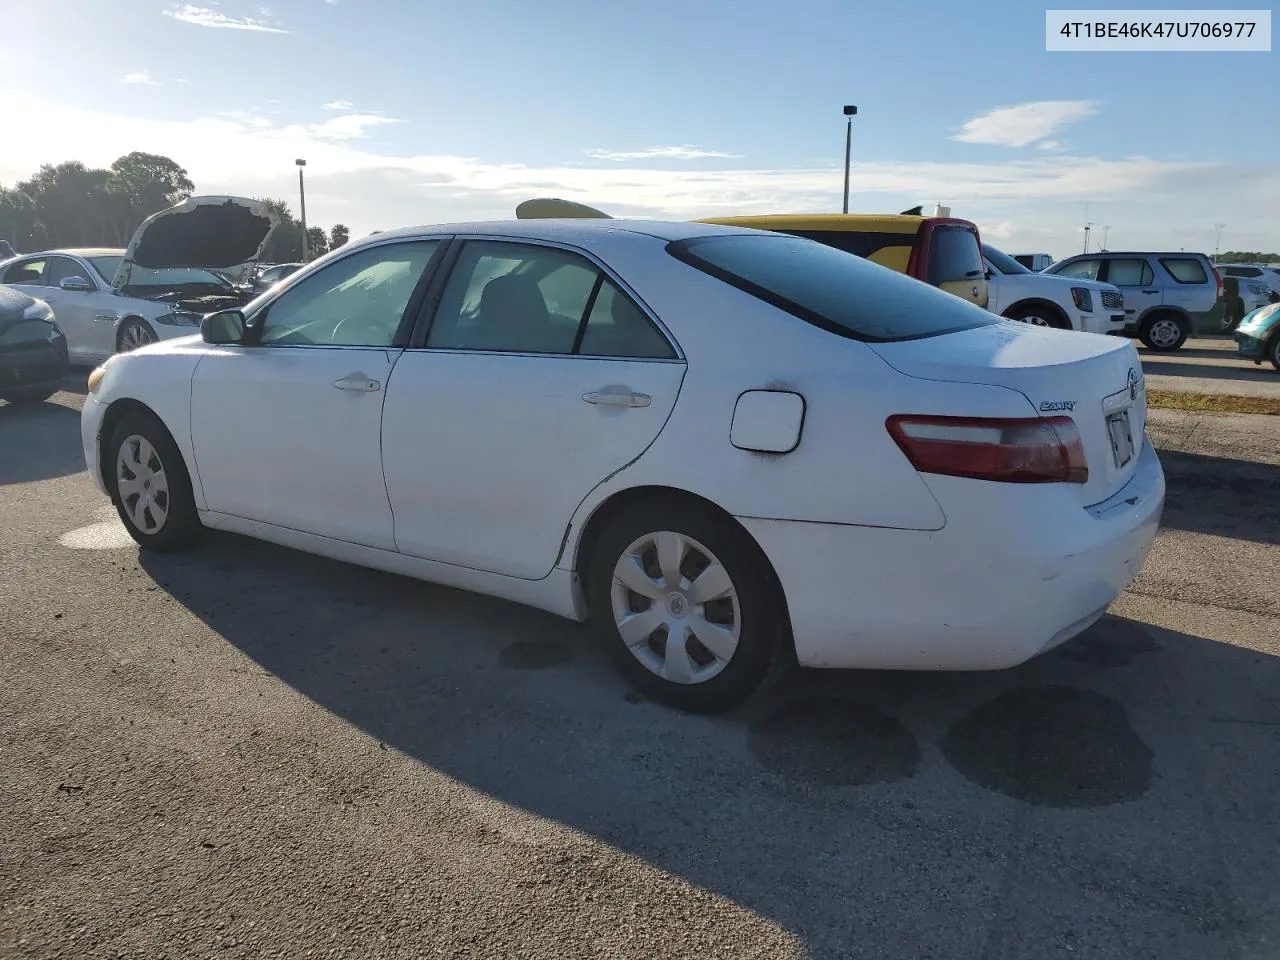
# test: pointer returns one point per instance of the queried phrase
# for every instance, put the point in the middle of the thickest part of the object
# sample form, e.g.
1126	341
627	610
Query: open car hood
215	232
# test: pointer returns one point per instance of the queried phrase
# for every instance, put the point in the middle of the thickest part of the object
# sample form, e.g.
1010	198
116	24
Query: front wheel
133	334
688	606
149	484
1164	332
1274	353
1039	317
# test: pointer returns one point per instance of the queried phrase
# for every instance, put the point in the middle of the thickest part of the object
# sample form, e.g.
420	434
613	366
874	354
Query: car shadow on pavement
1225	497
1244	371
1092	797
38	442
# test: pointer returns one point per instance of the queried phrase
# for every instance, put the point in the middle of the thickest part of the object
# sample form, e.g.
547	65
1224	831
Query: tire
170	522
134	333
1273	351
28	396
1039	317
1158	332
749	625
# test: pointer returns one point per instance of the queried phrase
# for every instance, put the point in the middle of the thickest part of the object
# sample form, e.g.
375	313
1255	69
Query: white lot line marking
108	534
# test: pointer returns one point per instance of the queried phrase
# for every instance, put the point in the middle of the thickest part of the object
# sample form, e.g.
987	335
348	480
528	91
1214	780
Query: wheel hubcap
1036	321
135	335
1164	333
675	607
142	484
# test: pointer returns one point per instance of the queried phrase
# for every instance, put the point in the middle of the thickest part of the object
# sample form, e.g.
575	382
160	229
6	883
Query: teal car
1258	336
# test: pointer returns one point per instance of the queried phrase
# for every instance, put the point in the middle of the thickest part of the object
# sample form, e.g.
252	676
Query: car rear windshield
954	255
1185	269
834	290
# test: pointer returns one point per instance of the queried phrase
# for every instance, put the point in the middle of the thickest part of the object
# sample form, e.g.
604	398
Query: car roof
567	230
1137	253
904	223
80	252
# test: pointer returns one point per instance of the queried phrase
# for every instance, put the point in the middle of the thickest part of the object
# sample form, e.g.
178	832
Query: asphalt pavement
244	751
1209	365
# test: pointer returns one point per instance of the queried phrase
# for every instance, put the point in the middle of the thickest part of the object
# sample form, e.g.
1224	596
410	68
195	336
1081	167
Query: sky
432	111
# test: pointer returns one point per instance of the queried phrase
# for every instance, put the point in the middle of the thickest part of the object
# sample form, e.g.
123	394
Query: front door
86	316
287	430
540	377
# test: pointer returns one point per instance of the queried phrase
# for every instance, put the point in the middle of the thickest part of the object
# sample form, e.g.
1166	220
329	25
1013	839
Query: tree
149	183
285	243
75	203
339	236
317	244
19	222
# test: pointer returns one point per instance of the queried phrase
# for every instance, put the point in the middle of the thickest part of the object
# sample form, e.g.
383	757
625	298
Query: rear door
1137	282
949	255
537	377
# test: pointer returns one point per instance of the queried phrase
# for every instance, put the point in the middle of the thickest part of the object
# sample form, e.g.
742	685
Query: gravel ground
248	752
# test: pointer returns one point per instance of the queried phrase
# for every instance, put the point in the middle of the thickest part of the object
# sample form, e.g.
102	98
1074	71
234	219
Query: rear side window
1185	269
954	255
1129	273
831	289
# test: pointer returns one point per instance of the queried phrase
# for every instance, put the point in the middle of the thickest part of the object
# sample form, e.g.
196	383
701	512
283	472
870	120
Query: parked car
268	275
110	300
721	446
1043	300
1258	336
1240	297
1167	296
1267	273
33	351
1034	262
944	252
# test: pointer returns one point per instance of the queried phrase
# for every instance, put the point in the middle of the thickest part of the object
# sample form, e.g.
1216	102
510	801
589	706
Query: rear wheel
134	333
687	604
1039	316
1273	354
1163	332
28	395
150	485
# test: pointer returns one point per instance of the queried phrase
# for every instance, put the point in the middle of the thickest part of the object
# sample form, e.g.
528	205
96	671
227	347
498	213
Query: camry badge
1048	406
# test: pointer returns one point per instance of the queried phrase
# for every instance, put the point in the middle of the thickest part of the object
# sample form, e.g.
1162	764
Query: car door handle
610	399
357	382
1150	291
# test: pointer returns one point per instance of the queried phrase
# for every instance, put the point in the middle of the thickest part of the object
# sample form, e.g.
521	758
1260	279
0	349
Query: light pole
1217	244
1087	227
302	199
850	112
1106	229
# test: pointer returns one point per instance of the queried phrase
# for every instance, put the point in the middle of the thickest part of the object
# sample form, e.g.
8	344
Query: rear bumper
984	593
1252	347
33	367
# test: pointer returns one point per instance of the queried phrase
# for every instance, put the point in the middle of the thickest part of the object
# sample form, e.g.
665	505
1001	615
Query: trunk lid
1095	380
214	231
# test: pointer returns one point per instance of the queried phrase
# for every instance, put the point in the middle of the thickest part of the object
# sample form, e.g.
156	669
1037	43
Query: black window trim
254	322
1208	274
682	251
426	316
1104	275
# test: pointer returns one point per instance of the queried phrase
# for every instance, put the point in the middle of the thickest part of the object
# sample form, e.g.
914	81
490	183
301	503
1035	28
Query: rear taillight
1217	281
1026	450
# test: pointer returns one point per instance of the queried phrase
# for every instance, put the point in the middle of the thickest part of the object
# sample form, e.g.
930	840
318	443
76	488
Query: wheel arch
1160	308
580	549
1040	303
117	411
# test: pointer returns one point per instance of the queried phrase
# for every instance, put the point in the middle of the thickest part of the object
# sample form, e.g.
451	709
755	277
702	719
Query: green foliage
1248	256
338	236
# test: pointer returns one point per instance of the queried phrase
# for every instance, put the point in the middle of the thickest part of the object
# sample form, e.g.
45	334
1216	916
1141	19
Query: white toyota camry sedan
727	449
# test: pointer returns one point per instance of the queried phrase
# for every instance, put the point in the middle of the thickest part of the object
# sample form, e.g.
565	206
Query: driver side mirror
77	284
225	326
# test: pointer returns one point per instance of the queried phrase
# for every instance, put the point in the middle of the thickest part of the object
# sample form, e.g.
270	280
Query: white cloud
208	17
1048	145
660	153
142	77
338	105
1025	123
1034	203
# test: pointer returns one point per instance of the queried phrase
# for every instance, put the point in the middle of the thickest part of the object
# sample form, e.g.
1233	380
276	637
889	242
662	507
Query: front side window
107	265
357	301
954	256
1080	269
1185	269
1134	272
61	268
25	271
508	297
836	291
1002	261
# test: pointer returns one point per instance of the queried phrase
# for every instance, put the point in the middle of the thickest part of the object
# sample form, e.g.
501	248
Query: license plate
1121	437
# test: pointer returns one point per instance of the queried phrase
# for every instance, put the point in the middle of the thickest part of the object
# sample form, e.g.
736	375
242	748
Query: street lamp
1217	244
850	112
302	199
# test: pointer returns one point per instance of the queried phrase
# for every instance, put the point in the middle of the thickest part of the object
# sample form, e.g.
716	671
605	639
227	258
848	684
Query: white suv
1015	292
